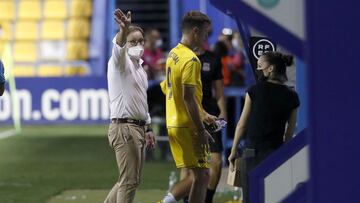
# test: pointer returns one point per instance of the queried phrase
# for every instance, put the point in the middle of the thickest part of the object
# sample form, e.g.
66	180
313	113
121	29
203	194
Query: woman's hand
231	159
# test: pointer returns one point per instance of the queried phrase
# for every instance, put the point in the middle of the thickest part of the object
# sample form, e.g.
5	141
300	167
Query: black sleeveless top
270	111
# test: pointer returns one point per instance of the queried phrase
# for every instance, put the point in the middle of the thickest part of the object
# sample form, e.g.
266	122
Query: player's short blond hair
194	19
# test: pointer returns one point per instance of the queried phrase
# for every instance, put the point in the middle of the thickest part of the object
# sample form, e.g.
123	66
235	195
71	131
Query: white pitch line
7	134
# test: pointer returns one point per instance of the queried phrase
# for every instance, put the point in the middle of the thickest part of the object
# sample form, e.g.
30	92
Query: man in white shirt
129	132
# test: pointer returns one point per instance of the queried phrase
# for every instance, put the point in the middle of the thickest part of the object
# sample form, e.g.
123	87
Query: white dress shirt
127	85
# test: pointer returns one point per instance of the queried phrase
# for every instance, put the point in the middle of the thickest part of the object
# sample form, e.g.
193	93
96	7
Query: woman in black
268	118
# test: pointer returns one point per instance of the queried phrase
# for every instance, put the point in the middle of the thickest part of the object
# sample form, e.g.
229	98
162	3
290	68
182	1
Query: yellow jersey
182	68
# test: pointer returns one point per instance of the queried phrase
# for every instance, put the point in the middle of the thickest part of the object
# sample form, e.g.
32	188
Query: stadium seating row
48	70
73	28
49	9
47	37
30	51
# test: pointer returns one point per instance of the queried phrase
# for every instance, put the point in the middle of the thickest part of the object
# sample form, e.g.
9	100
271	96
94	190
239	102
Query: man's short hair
194	19
133	28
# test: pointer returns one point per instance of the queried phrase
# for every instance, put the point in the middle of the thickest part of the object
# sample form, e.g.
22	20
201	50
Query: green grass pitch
69	164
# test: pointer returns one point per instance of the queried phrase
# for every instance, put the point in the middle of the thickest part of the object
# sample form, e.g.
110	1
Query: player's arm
190	76
192	107
194	112
220	98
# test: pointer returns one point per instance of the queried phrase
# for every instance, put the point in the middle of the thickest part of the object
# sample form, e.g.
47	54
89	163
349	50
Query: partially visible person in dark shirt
2	79
269	114
211	78
213	103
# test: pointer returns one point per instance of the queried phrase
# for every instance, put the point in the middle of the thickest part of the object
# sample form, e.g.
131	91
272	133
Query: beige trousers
128	142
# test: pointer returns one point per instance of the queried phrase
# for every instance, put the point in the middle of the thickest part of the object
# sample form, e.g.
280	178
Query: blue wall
302	90
99	31
333	72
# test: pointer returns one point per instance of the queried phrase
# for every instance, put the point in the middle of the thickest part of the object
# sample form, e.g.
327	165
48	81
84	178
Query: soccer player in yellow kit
184	113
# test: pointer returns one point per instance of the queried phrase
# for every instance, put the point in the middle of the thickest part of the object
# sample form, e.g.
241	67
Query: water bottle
172	179
236	195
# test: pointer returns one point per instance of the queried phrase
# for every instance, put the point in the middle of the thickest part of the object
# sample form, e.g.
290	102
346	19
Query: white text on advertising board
69	104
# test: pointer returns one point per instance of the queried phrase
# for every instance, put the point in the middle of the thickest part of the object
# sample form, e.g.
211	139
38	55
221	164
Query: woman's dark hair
280	62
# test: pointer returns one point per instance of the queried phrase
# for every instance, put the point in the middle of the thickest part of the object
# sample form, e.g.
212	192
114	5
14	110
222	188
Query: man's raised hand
123	20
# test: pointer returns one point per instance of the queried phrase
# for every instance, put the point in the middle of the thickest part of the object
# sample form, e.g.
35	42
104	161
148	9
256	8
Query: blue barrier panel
274	160
300	195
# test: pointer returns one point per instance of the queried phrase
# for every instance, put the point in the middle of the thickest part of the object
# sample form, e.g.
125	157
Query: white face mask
158	43
136	52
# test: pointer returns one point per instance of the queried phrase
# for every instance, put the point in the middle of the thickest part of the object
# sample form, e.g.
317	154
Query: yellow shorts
185	149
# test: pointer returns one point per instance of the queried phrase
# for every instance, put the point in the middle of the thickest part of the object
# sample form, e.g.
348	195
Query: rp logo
261	47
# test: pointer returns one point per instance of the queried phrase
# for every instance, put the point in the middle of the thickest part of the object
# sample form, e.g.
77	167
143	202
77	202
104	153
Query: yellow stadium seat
76	70
78	28
50	71
77	50
25	51
2	46
26	30
7	10
7	30
53	30
29	9
55	9
81	8
23	71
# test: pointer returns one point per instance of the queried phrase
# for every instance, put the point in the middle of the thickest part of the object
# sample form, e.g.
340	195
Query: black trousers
246	166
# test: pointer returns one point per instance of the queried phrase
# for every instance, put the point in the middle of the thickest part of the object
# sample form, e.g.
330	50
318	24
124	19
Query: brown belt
128	120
